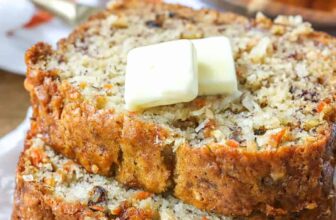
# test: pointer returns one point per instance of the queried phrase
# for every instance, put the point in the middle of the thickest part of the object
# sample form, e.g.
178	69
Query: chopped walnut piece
97	195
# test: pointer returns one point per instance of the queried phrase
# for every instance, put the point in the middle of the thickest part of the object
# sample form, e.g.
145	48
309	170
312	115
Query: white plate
13	46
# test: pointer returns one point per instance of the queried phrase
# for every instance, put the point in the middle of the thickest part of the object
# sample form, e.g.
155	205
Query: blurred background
22	24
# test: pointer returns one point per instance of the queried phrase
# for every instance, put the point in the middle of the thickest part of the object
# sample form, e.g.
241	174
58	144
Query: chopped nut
310	124
191	33
120	22
288	20
209	127
259	131
191	36
278	29
156	23
263	21
185	124
62	176
97	195
261	50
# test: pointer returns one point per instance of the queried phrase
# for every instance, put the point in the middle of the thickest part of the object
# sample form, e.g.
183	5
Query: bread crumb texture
63	183
286	77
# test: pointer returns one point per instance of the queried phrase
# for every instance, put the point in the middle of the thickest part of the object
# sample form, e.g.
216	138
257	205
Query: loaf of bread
49	187
268	148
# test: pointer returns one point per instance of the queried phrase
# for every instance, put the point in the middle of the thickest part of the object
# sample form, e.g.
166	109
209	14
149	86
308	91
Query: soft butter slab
161	74
216	68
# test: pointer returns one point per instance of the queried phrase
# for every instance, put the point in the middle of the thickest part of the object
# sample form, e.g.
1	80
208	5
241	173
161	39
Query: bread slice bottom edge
50	186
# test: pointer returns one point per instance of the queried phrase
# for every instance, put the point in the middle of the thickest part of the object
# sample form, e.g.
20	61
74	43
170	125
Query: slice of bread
268	148
50	186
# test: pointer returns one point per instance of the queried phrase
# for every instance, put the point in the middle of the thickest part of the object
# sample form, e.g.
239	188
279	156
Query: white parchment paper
10	148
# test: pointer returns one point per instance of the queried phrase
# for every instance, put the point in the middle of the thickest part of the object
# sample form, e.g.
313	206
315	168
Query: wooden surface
14	101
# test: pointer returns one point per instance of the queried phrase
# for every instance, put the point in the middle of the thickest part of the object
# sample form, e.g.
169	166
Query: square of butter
161	74
216	68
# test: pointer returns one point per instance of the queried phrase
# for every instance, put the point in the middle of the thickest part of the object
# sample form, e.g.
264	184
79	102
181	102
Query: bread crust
104	142
273	182
35	201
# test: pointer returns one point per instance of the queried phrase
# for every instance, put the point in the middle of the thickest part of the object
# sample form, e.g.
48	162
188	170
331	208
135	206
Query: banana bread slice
269	148
50	186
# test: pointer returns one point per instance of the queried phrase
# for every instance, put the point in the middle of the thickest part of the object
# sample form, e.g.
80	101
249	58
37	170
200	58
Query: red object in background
40	17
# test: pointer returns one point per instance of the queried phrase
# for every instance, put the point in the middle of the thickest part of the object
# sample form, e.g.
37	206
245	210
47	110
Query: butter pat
216	69
161	74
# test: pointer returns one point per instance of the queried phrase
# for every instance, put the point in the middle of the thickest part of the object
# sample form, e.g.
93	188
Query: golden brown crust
35	201
108	143
273	182
32	201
